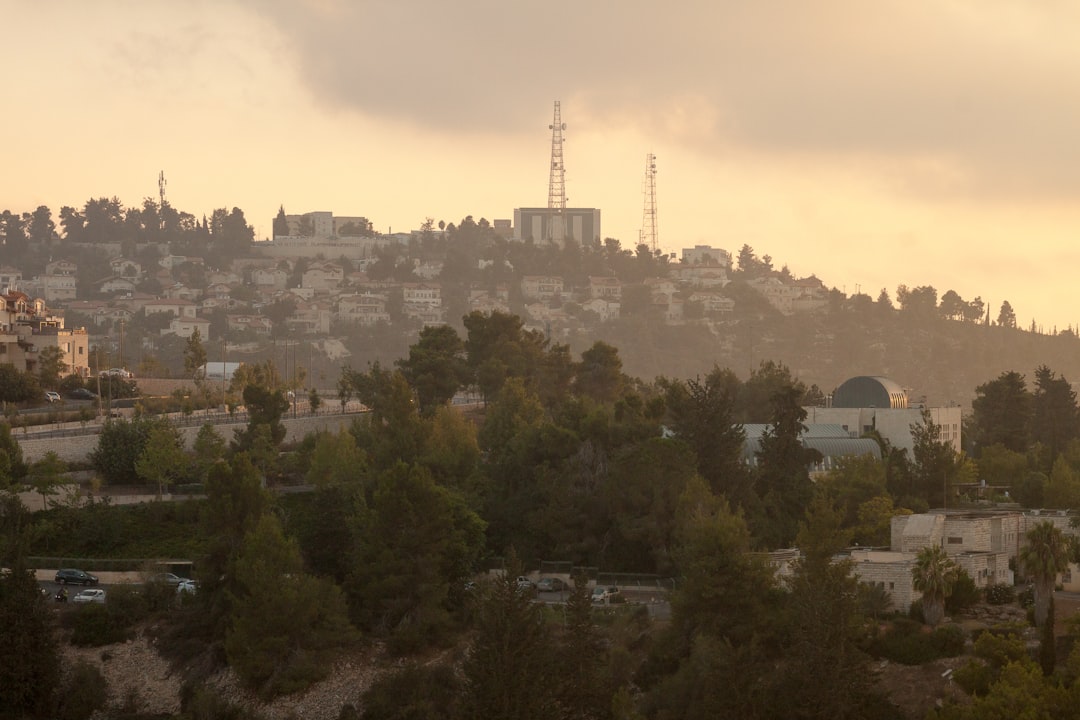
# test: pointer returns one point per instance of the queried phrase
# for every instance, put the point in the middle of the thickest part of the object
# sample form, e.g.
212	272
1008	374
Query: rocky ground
140	679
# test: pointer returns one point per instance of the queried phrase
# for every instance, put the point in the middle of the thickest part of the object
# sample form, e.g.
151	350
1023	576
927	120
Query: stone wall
76	448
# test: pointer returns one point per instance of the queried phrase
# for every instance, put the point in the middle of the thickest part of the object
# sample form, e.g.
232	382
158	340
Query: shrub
413	691
91	627
964	594
974	678
948	640
915	612
1026	598
83	693
1000	594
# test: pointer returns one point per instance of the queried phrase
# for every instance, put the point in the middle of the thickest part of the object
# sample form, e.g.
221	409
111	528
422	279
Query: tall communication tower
161	195
648	235
557	181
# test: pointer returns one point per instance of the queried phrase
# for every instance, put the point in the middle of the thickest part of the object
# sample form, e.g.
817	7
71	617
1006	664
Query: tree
934	575
436	367
1055	419
701	412
937	466
419	541
825	672
952	306
281	223
29	657
508	672
265	408
599	374
162	457
208	449
46	475
284	623
51	365
1006	316
336	459
194	354
1045	555
783	477
120	444
1001	413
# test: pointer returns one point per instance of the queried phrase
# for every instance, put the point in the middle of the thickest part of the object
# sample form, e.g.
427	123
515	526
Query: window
956	540
892	585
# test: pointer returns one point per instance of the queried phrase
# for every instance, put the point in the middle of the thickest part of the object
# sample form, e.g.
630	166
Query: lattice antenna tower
648	235
161	196
557	180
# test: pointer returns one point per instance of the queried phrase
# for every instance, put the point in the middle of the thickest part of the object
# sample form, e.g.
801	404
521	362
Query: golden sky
871	143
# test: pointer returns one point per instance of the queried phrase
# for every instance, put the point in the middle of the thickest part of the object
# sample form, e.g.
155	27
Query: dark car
72	576
82	394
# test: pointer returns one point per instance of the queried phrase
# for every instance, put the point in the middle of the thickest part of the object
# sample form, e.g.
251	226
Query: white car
95	595
119	372
186	586
52	396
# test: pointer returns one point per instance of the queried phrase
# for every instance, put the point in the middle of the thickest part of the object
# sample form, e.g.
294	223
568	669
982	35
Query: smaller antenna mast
648	235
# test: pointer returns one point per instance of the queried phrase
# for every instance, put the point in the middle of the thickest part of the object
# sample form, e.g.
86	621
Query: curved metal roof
866	391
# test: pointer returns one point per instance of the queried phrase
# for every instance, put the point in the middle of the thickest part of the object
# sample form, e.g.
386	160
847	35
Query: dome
870	391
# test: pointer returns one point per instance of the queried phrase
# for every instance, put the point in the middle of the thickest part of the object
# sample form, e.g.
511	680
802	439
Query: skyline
917	144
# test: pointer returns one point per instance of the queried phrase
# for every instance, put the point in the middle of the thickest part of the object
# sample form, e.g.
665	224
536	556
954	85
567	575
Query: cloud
954	96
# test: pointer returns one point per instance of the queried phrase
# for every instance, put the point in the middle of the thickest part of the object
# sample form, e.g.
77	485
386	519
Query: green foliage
1001	413
415	692
974	678
29	659
92	625
934	575
120	445
905	643
417	542
283	622
1000	594
84	692
509	670
436	367
336	459
162	457
1044	556
964	593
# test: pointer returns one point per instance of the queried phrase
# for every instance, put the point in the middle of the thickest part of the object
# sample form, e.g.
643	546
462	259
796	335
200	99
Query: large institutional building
538	224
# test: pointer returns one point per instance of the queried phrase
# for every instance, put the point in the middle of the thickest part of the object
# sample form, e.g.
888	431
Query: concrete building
27	327
581	224
706	255
869	403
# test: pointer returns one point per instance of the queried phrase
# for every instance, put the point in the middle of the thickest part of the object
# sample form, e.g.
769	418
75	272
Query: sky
874	144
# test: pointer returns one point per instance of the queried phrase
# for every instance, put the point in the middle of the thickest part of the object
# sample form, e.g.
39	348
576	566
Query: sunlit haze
873	144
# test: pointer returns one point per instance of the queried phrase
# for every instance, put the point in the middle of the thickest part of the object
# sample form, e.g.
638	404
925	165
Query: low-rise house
9	278
605	309
255	323
116	285
180	291
713	303
125	267
429	294
186	327
179	308
323	277
541	287
56	267
363	308
275	278
700	276
605	288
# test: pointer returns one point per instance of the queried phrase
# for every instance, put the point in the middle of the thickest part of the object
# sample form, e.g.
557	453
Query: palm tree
1045	555
934	575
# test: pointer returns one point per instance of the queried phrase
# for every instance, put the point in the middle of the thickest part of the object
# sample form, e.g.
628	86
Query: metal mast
557	181
161	195
648	235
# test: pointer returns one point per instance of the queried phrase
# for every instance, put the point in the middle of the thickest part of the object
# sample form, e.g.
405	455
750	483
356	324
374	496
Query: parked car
65	576
52	396
166	578
605	594
89	596
551	585
119	372
186	586
82	394
525	585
